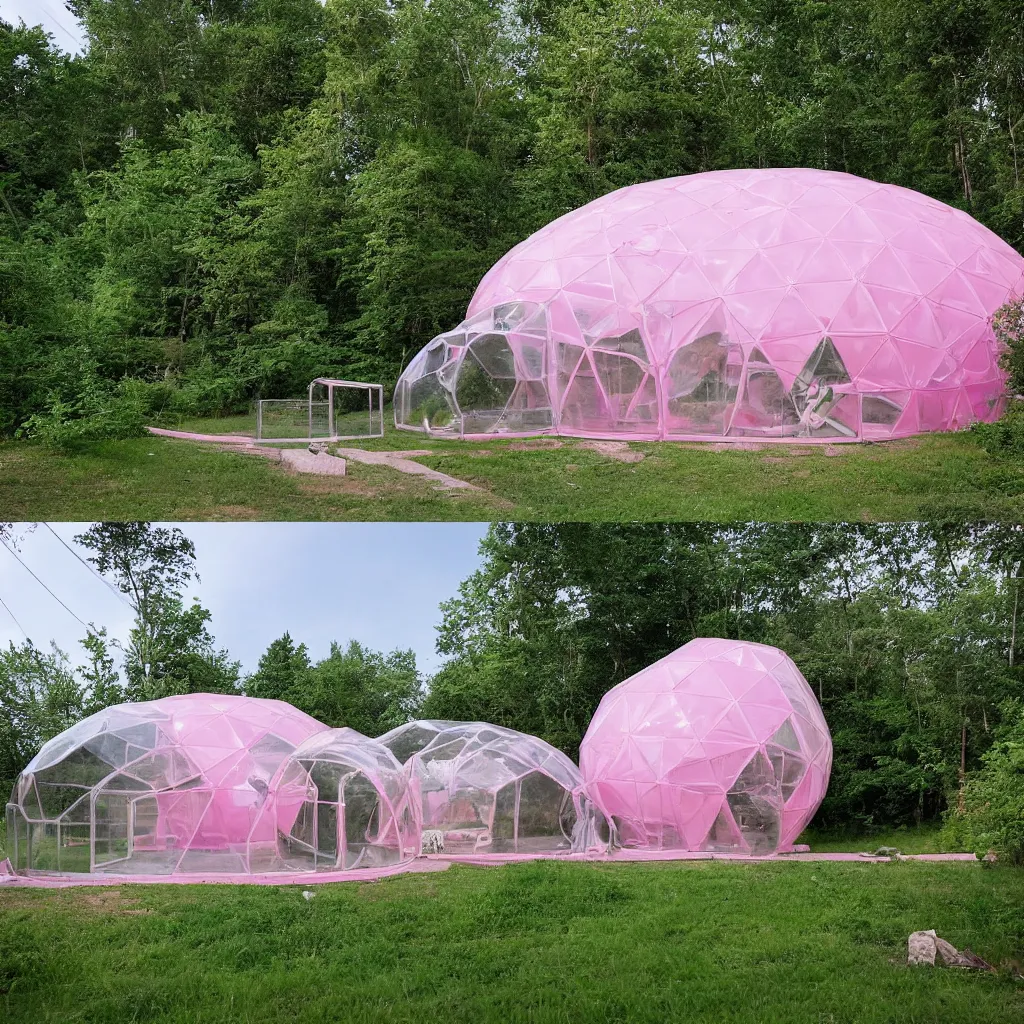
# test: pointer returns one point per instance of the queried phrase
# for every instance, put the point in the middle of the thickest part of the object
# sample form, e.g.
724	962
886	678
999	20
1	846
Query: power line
14	620
58	22
103	579
42	584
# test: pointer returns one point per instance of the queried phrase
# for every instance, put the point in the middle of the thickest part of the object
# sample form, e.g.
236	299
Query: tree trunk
960	805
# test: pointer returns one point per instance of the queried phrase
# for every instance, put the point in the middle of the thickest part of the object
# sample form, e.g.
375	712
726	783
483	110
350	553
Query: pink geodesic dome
720	746
159	787
769	303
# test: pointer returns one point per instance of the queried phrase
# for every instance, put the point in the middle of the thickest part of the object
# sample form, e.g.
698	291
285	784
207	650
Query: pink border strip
431	863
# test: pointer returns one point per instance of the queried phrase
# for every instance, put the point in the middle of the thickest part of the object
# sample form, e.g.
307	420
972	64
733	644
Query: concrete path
303	461
399	460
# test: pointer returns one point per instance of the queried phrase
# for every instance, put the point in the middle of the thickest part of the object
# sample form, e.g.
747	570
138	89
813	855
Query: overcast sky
379	583
52	15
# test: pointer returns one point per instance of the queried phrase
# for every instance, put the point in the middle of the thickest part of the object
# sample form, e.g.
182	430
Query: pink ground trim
428	864
184	435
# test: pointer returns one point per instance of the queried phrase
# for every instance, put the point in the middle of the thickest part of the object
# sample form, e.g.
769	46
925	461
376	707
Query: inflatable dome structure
339	802
485	789
798	304
720	747
169	786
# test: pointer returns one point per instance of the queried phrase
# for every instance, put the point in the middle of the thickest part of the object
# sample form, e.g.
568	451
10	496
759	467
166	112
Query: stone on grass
928	948
921	948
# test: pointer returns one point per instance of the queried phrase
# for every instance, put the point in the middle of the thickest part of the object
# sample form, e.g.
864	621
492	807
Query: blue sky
51	14
379	583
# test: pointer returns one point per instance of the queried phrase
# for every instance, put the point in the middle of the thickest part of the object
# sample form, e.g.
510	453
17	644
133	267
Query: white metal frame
372	391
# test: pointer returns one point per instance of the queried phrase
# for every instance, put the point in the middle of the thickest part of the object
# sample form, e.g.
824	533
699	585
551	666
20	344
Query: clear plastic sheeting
339	802
789	304
487	790
168	786
719	747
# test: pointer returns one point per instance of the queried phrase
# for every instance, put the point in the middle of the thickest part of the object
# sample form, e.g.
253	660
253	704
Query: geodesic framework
339	802
720	746
769	303
486	789
163	787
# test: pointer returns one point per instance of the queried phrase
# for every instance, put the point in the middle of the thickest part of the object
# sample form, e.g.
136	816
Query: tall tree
169	649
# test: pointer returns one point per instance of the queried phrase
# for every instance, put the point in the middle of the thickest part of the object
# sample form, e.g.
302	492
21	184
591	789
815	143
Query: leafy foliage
223	199
992	816
908	635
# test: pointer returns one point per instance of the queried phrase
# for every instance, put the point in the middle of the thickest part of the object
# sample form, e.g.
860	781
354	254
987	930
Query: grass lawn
696	942
932	476
923	839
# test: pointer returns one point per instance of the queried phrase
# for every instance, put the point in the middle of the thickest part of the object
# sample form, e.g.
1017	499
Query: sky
378	583
52	15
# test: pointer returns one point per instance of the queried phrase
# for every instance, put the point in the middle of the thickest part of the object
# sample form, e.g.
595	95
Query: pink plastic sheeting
718	747
47	881
339	802
155	788
789	304
484	789
431	864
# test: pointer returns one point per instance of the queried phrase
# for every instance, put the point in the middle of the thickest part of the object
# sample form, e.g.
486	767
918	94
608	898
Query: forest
224	198
909	634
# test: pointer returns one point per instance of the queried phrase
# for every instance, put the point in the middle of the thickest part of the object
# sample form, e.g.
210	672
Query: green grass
698	942
153	478
922	839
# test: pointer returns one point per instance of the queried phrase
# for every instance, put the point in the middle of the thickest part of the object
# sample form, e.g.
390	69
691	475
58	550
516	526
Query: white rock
921	948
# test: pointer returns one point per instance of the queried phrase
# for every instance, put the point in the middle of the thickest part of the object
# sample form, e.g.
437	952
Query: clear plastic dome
339	802
486	789
720	746
768	303
163	787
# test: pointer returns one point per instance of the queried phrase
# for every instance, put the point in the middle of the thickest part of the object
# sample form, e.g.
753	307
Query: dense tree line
910	635
223	198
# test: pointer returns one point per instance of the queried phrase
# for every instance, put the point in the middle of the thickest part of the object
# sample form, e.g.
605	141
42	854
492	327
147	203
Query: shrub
1008	324
100	411
1005	437
993	814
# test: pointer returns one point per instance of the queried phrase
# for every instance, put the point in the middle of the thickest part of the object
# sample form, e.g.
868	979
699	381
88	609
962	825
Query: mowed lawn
932	476
696	942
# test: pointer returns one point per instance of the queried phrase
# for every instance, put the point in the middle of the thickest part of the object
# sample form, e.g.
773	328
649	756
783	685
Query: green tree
169	649
359	688
991	815
39	697
282	668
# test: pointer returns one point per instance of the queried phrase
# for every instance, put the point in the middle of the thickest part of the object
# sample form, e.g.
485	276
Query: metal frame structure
331	385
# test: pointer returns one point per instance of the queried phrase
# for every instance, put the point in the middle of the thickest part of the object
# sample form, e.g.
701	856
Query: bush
993	815
99	412
1005	437
1008	324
